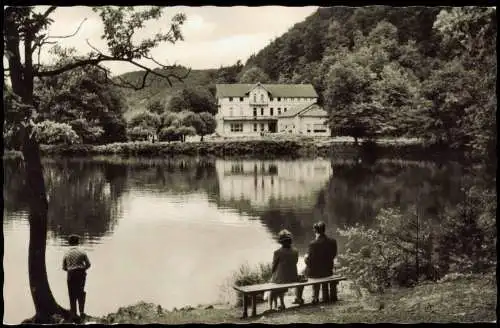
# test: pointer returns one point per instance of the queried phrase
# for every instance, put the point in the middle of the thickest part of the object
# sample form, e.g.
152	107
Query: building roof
308	109
276	90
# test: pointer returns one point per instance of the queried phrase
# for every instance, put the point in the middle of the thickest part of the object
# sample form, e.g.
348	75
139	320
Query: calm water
172	231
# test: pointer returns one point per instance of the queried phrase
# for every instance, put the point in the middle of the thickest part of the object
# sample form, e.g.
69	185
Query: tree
254	75
53	133
194	99
186	131
82	94
210	124
25	31
156	106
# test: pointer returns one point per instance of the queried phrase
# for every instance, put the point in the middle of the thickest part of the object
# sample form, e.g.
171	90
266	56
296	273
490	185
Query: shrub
139	133
386	255
53	133
247	275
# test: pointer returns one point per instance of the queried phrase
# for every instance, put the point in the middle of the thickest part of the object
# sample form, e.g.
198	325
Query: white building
250	109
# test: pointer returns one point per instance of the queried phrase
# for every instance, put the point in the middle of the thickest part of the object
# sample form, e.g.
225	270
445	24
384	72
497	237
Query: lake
173	231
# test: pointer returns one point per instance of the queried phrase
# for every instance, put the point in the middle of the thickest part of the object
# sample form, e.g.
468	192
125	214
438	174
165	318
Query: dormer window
270	98
279	98
230	98
241	98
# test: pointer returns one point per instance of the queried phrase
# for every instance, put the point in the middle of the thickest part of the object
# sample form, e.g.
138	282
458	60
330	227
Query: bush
139	133
53	133
246	275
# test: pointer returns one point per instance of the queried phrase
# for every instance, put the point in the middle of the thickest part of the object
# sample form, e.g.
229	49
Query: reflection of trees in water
84	193
13	187
176	175
356	193
83	196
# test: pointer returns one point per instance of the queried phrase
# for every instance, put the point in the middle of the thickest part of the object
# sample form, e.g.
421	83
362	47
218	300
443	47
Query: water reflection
203	216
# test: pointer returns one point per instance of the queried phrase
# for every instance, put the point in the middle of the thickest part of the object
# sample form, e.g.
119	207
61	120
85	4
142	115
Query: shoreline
256	149
455	298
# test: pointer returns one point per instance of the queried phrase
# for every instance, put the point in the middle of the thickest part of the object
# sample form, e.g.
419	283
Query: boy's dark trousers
76	286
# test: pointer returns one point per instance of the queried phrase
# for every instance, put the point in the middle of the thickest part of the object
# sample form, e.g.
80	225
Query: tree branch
70	35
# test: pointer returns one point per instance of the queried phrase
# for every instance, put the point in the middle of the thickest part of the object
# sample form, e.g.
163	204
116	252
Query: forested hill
379	71
293	57
296	56
158	88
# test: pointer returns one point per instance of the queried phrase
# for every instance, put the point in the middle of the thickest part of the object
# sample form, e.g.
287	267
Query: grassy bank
456	298
254	148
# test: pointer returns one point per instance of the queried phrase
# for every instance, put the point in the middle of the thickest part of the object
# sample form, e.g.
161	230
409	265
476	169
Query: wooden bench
251	291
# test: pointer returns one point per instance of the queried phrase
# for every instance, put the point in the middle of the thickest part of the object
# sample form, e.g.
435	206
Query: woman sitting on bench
284	268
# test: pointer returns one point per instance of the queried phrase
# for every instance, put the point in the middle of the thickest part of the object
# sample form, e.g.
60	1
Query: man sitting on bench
319	261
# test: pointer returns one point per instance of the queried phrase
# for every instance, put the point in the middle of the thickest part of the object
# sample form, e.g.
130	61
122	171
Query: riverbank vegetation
455	298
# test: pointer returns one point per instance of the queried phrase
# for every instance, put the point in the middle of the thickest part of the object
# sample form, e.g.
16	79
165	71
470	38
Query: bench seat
251	291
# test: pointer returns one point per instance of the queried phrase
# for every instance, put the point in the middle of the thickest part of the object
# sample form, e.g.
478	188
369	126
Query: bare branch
70	35
124	83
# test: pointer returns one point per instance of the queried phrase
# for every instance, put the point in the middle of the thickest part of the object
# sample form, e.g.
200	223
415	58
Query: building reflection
262	184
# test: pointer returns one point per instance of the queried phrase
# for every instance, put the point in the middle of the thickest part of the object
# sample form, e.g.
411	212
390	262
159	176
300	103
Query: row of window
255	111
238	127
262	98
271	111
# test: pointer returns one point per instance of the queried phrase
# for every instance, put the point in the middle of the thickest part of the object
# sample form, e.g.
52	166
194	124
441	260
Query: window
262	98
230	98
261	126
255	130
262	111
230	111
242	112
271	111
236	127
284	109
270	98
254	97
279	98
241	98
254	111
279	111
308	128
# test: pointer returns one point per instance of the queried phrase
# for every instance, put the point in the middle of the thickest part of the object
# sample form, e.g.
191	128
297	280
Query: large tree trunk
45	304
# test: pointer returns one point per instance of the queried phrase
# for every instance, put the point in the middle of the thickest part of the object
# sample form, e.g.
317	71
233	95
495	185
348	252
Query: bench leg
245	305
254	305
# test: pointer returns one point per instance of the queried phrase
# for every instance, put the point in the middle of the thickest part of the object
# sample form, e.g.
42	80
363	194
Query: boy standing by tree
76	263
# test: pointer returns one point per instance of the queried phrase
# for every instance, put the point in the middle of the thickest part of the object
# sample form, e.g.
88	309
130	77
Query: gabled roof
276	90
308	109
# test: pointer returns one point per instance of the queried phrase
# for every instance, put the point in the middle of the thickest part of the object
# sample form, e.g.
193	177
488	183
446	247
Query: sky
213	36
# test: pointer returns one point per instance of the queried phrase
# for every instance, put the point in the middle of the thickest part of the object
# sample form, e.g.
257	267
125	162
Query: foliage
87	132
139	133
146	120
156	106
402	249
254	75
169	133
53	133
194	99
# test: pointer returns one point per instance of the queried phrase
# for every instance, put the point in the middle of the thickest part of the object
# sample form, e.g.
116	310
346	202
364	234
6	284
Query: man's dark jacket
322	251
